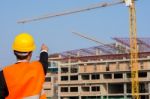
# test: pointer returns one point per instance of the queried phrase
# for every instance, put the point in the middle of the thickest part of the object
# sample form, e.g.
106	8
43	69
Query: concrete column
52	80
148	75
101	76
125	90
112	75
59	72
79	91
107	97
59	92
79	97
102	97
68	78
117	65
59	79
90	76
79	78
149	89
69	71
68	89
107	91
85	67
124	76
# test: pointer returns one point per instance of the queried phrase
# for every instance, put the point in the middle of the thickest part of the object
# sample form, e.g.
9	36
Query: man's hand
44	48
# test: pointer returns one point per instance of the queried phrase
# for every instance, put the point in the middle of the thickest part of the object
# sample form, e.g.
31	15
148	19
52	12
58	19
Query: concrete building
51	82
101	72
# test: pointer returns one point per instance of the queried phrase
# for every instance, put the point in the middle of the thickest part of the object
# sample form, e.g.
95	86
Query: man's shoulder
9	66
35	62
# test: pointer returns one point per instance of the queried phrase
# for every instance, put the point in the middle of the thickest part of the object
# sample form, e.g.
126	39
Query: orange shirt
24	79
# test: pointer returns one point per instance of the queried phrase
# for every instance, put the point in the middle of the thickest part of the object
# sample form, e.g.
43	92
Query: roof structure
121	46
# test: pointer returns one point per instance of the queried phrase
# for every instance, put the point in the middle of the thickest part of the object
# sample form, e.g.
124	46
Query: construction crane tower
133	51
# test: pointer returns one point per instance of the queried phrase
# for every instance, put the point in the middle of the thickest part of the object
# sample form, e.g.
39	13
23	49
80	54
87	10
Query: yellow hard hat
23	42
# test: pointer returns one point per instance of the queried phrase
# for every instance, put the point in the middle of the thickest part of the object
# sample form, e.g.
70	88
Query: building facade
101	72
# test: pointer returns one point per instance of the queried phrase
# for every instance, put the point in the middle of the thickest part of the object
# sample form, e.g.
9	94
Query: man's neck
25	60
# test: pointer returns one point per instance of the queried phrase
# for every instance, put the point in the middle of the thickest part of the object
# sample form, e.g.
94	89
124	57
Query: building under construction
100	72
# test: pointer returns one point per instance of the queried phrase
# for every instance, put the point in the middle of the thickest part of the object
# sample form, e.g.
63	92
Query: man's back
23	79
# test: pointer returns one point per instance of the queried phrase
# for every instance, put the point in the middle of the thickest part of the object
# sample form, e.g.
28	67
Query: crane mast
134	52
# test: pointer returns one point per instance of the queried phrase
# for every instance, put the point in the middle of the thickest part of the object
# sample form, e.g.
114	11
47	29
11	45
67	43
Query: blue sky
102	23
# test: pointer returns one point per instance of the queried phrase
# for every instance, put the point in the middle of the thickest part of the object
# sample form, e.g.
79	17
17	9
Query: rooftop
121	46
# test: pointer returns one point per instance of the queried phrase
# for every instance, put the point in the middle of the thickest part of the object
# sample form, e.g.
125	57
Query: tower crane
133	35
